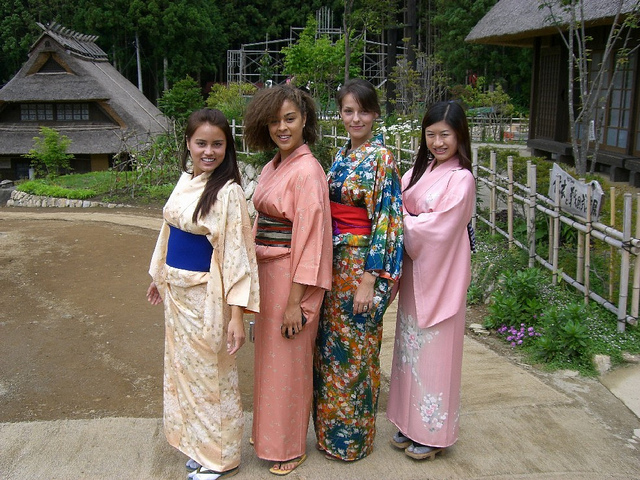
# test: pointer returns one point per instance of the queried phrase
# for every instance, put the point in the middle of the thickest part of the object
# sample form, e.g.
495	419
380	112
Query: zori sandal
278	470
203	473
400	441
422	452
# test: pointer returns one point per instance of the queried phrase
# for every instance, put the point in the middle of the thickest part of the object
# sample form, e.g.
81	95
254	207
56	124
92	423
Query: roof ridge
79	43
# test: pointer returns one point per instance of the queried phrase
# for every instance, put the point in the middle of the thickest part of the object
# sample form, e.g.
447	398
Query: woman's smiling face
207	147
357	121
441	141
287	128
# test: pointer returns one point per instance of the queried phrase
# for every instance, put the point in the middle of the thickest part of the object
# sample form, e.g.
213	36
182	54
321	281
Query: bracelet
375	273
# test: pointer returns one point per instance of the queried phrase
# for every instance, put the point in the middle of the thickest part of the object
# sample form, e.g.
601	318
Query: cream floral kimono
203	415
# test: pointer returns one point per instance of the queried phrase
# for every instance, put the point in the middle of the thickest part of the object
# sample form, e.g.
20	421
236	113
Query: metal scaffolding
259	62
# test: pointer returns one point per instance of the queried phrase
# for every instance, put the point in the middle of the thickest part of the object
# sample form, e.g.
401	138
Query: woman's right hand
153	295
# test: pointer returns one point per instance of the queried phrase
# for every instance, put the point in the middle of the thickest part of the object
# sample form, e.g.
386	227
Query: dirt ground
77	337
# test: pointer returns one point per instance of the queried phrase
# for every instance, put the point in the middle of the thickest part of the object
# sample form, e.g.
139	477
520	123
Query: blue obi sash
188	251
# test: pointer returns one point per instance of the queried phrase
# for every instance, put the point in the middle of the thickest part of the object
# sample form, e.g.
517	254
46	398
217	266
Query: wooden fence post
635	297
474	157
531	213
587	247
624	264
493	192
612	250
554	241
510	200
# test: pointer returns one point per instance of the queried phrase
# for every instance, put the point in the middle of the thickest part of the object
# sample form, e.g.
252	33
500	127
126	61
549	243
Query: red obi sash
348	219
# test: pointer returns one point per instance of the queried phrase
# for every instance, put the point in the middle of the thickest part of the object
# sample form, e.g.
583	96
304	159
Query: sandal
400	440
192	465
422	452
278	470
203	473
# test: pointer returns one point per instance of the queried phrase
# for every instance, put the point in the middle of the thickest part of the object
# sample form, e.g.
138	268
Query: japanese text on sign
573	193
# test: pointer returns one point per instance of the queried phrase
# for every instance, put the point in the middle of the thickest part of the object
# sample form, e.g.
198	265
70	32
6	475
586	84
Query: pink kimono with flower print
424	397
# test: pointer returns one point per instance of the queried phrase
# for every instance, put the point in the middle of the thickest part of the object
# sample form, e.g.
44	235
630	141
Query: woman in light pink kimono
438	198
293	245
204	271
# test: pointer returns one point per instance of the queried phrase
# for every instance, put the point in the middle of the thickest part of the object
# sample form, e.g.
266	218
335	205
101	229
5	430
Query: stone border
23	199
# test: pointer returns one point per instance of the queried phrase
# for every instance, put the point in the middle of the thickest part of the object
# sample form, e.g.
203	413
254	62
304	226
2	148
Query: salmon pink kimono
424	397
294	190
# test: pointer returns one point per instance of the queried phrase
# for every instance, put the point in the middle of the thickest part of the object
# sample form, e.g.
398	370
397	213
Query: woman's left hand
363	299
235	335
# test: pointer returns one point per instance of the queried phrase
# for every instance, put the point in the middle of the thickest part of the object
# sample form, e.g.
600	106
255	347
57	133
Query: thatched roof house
68	84
522	23
519	22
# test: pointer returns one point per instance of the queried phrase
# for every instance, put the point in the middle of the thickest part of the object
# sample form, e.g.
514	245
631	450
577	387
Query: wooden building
68	84
522	23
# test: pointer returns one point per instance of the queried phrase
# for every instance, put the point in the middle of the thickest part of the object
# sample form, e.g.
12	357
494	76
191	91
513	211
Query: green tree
317	62
49	155
183	98
230	99
508	66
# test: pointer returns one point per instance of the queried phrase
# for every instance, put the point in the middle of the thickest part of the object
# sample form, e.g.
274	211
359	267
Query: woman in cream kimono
204	270
438	198
293	246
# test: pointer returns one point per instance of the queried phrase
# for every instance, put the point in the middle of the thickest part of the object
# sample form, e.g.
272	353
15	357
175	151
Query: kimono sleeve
438	244
385	251
238	260
156	268
311	242
431	233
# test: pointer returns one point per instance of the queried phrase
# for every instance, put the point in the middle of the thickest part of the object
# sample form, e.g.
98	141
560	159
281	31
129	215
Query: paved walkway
516	423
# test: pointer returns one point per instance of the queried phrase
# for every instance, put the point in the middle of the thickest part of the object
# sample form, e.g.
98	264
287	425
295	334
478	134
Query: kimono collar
374	142
450	165
297	153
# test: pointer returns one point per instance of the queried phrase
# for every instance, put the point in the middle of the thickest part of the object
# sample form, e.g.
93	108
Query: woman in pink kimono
293	246
438	198
204	270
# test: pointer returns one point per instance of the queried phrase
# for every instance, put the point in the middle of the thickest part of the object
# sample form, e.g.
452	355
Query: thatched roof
518	22
83	74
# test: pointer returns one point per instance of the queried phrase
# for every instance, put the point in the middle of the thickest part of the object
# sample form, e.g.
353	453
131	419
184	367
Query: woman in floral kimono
293	246
366	209
438	197
204	270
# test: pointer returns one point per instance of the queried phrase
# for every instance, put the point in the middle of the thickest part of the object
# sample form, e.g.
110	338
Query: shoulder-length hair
363	92
227	170
453	115
264	108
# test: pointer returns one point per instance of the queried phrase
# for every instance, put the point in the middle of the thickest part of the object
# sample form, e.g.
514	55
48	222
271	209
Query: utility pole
138	62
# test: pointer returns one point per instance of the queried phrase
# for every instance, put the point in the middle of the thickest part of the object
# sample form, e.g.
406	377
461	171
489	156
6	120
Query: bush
566	337
36	187
49	156
231	99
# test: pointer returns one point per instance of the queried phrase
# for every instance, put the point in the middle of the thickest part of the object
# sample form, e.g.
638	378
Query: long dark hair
227	170
453	115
